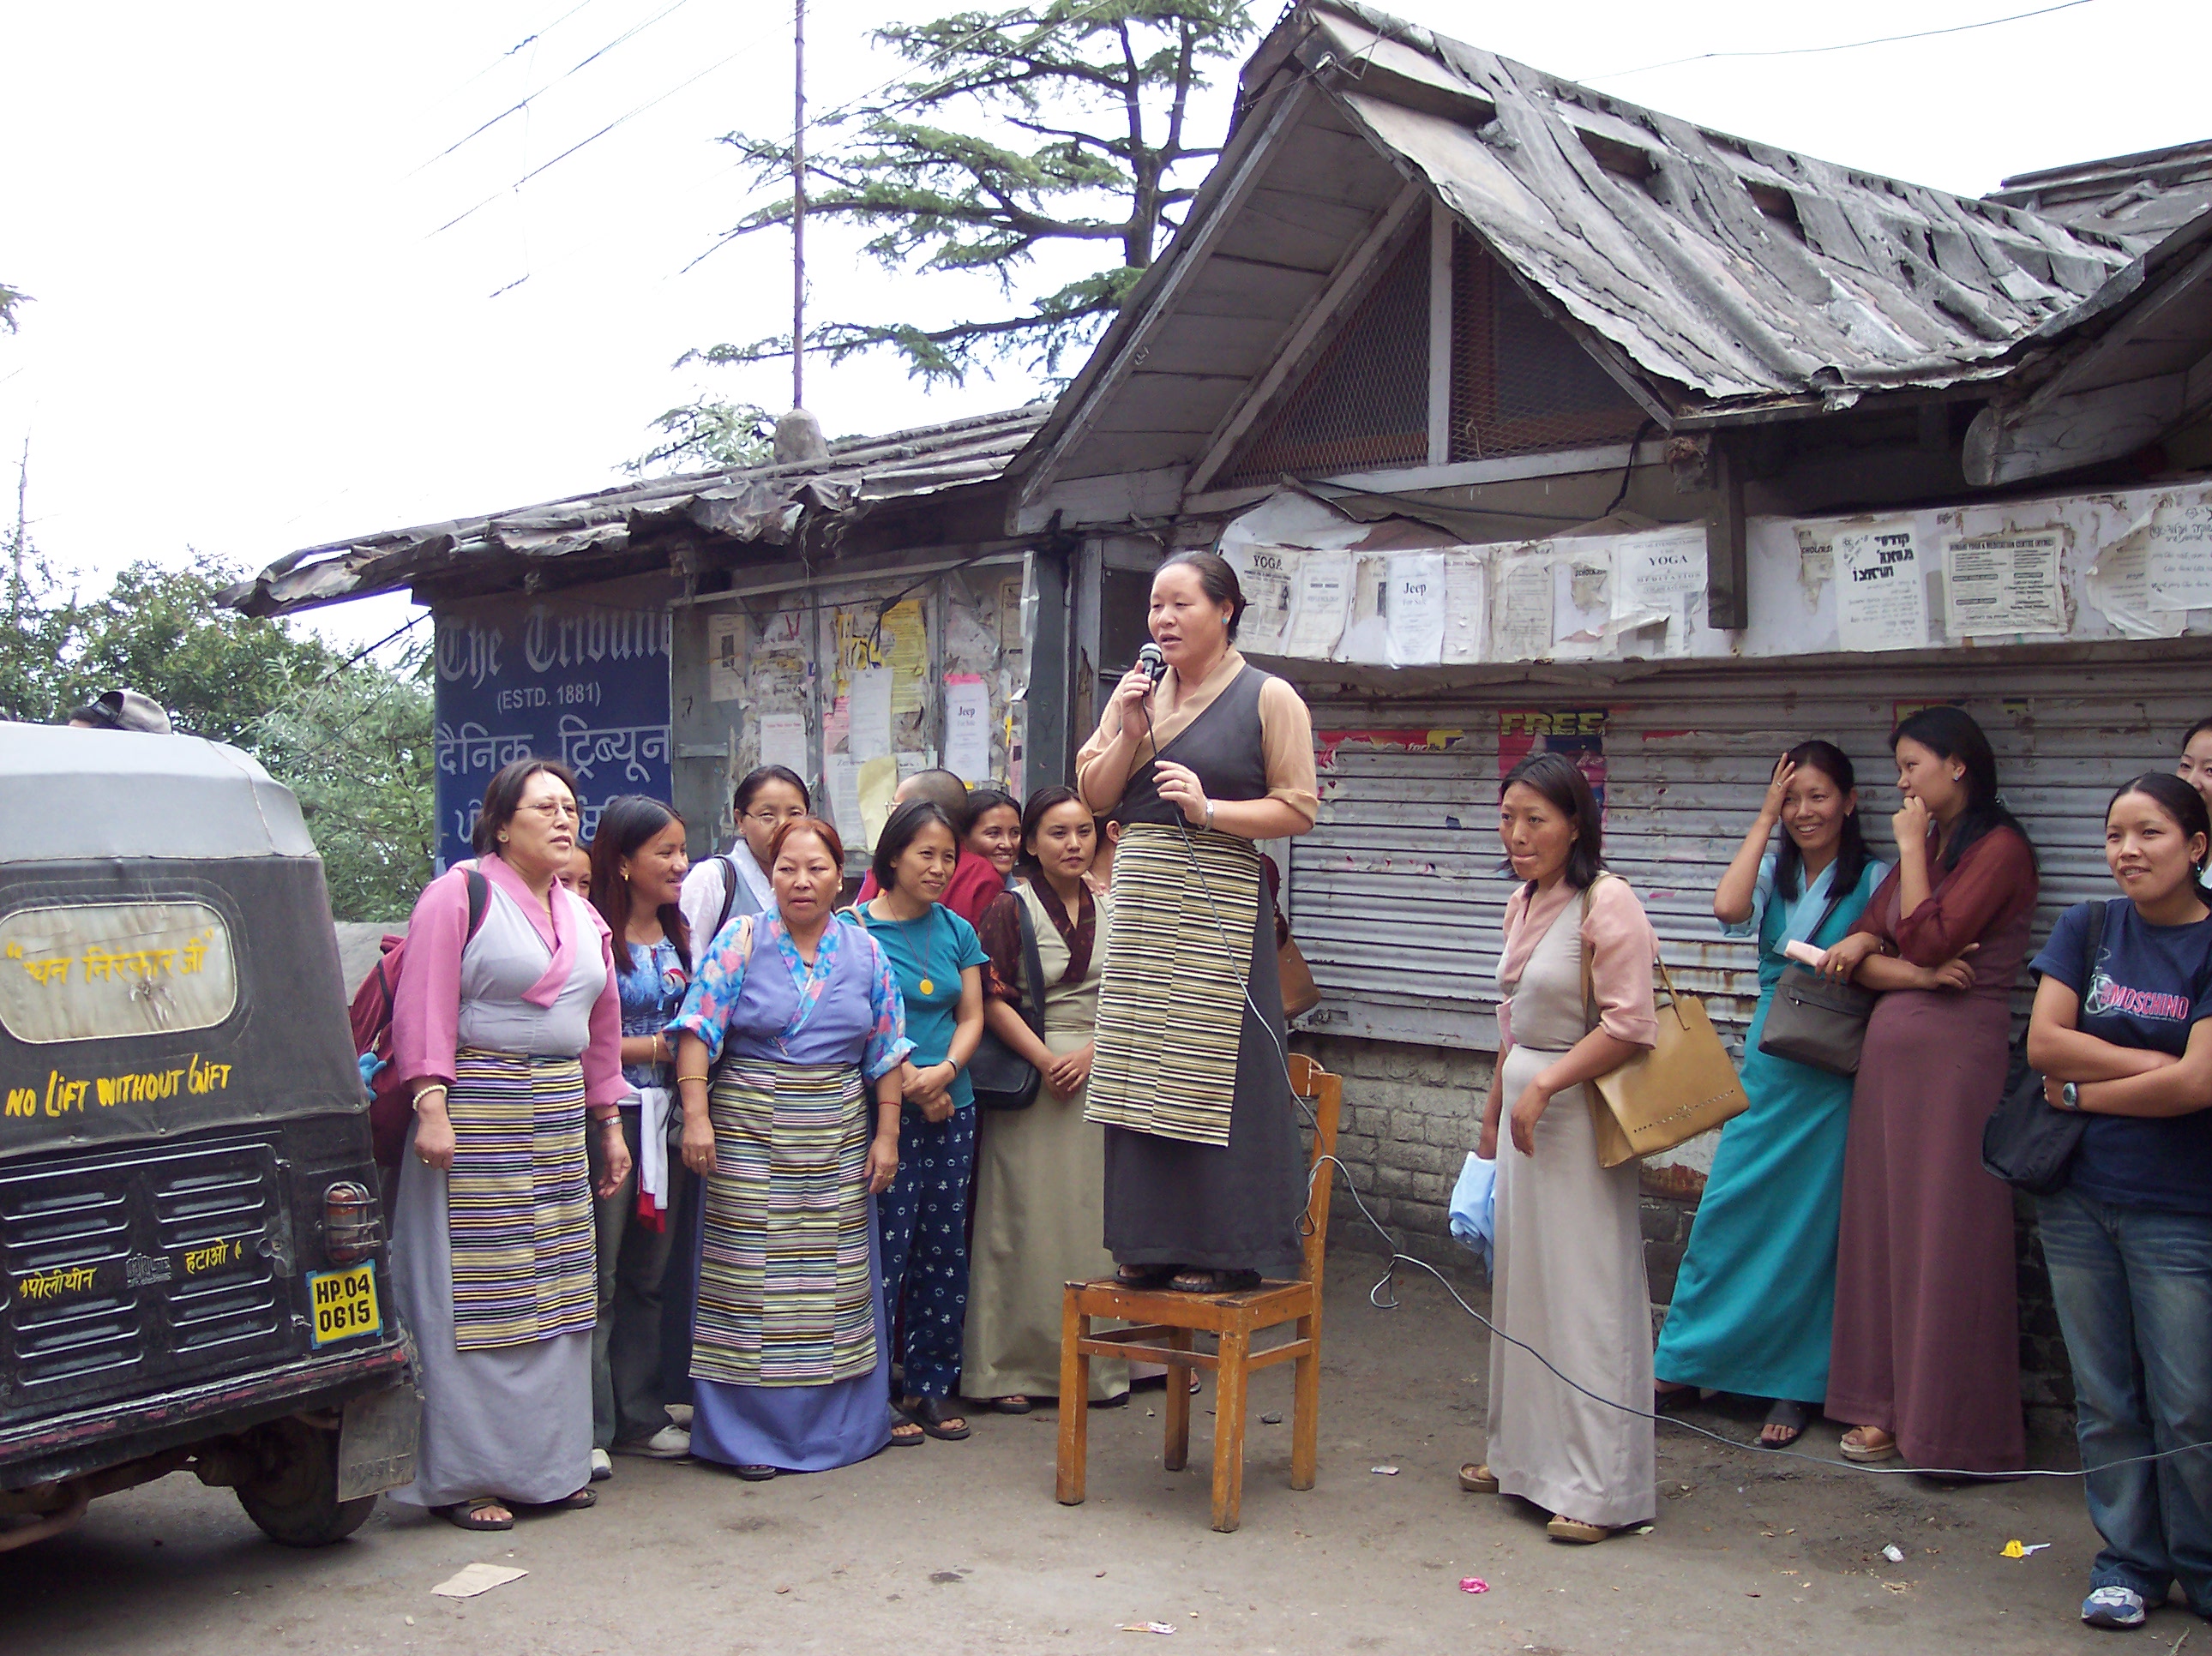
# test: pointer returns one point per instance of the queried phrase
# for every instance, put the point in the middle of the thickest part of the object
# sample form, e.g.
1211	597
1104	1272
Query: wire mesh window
1521	383
1365	403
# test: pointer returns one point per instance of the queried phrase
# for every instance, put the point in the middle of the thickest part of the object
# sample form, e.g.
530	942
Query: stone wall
1411	1116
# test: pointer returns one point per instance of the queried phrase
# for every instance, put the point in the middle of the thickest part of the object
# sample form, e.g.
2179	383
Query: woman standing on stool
798	1019
1568	1279
1205	1178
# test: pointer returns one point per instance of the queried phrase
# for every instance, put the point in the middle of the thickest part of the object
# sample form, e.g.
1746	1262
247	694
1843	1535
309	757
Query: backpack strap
729	894
479	900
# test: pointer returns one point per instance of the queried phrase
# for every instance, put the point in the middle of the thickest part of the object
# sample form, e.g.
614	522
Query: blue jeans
2133	1288
923	1222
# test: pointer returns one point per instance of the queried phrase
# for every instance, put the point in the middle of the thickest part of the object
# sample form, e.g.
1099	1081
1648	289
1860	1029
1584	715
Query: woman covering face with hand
2126	1038
1756	1295
1039	1183
1926	1347
791	1045
1568	1279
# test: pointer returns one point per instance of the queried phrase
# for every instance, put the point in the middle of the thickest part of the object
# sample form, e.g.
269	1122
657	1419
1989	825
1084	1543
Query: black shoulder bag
2028	1142
1003	1078
1813	1020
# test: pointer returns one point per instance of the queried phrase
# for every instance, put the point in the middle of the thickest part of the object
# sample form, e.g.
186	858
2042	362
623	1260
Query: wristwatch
2071	1095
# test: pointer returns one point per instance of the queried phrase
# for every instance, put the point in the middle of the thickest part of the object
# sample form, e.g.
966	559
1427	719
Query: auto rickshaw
192	1272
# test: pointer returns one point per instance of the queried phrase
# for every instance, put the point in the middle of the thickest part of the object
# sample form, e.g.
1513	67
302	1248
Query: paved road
961	1547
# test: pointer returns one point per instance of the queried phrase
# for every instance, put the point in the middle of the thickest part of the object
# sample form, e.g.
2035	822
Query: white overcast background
250	335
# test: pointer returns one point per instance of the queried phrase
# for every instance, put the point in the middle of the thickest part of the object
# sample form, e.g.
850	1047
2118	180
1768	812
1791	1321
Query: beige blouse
1285	732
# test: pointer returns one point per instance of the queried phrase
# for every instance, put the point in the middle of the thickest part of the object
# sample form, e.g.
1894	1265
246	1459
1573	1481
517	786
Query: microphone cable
1384	1296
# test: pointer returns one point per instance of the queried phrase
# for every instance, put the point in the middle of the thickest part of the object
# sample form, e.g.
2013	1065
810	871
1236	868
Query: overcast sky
251	334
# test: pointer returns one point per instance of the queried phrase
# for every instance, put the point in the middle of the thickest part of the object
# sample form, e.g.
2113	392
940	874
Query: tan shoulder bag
1683	1086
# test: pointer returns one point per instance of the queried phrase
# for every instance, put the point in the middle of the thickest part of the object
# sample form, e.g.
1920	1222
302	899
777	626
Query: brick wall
1410	1118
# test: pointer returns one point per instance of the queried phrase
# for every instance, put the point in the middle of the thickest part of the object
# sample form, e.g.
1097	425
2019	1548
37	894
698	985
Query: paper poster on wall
1881	598
1466	608
905	647
876	783
783	741
1413	609
2178	542
1010	612
871	696
1269	576
967	727
842	773
1366	638
1582	603
1323	605
1578	733
1660	576
1521	609
726	655
2120	586
1997	585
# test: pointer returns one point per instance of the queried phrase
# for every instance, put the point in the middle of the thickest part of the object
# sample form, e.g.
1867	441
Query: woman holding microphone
1205	1178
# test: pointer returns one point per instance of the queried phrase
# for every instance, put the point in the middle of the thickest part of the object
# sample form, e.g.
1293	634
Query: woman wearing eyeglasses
719	888
508	1039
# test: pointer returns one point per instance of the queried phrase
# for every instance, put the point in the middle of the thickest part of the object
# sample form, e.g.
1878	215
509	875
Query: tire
296	1504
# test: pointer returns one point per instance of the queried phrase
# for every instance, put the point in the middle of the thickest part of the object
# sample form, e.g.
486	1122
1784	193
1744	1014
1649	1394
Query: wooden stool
1164	1322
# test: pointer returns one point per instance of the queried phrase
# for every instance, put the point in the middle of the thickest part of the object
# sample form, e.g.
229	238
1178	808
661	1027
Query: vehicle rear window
98	971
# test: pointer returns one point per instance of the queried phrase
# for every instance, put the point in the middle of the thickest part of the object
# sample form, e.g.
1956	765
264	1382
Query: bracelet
441	1090
701	1077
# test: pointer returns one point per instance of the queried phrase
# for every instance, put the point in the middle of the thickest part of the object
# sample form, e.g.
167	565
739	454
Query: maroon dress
1927	1341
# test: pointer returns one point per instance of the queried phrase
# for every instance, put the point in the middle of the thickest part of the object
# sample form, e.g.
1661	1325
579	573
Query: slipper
1575	1532
1142	1275
1865	1454
468	1514
760	1474
931	1414
1791	1417
1214	1282
1014	1405
587	1496
1478	1479
899	1419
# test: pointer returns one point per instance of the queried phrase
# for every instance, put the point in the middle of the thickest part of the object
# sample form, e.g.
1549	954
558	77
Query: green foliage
1054	123
705	435
351	738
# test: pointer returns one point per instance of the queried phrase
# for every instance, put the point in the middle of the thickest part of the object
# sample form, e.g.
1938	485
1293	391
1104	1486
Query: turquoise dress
1756	1295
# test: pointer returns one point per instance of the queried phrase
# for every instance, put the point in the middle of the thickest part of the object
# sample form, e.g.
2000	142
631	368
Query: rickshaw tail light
351	1227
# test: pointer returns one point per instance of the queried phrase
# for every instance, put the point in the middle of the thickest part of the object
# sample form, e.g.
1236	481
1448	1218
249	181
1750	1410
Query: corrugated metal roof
755	503
2145	194
1735	269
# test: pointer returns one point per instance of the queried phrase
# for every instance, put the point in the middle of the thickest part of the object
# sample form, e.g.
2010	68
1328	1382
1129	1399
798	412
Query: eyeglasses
553	811
771	818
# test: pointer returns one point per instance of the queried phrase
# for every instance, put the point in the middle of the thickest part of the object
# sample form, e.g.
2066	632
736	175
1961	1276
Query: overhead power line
527	41
1847	45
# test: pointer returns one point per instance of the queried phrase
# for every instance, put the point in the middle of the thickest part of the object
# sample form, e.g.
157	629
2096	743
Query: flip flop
758	1474
468	1514
930	1414
587	1496
1478	1478
1575	1532
1214	1282
1142	1275
899	1419
1791	1417
1865	1454
1013	1405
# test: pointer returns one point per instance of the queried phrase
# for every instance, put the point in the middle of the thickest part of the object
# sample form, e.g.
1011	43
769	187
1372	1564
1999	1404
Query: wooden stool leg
1177	1399
1305	1408
1228	1431
1074	1402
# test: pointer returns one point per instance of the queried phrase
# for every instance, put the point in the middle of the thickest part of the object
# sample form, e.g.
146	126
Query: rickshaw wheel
296	1505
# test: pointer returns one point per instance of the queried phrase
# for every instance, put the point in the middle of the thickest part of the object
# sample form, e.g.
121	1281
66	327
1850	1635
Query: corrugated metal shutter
1395	897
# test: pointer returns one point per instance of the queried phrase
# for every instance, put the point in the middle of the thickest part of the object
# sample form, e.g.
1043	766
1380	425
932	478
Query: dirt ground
961	1547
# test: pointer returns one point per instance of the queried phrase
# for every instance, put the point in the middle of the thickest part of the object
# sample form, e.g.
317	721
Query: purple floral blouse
720	976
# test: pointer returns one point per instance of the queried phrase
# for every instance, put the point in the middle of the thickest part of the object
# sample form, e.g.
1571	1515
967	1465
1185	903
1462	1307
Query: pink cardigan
1621	945
425	1011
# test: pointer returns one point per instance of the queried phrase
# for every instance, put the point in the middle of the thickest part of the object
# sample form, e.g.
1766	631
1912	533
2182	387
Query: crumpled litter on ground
473	1579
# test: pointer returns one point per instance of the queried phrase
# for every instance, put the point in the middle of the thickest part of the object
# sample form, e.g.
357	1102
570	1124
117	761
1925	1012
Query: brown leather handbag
1300	994
1684	1085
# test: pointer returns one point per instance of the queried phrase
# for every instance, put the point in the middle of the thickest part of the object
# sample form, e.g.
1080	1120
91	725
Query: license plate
344	1304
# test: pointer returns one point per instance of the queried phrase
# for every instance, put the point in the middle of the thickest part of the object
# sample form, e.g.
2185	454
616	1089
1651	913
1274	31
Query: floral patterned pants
923	1218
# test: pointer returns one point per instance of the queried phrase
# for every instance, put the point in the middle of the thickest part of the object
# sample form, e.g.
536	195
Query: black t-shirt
2150	985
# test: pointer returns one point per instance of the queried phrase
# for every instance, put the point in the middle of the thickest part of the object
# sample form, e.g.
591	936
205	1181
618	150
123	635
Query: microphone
1153	661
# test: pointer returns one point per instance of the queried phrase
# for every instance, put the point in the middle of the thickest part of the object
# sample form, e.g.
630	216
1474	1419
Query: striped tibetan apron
1171	991
518	1201
786	1295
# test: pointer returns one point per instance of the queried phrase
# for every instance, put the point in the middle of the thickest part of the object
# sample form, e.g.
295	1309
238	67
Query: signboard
585	684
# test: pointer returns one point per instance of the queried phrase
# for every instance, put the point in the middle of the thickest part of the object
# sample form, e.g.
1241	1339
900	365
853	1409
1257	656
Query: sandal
1858	1444
587	1496
1787	1419
1142	1275
905	1435
1016	1404
1214	1282
757	1474
930	1414
469	1515
1477	1478
1575	1531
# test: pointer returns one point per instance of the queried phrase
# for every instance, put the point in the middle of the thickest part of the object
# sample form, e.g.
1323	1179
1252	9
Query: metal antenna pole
798	205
